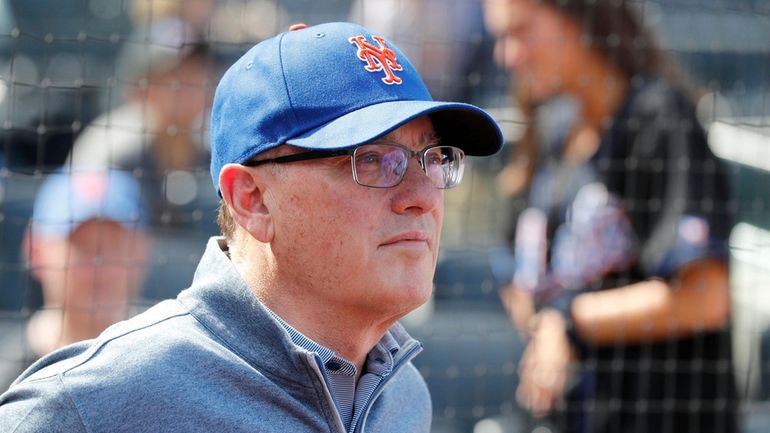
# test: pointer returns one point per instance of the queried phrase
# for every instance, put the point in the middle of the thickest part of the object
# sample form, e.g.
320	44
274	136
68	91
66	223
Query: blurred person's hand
544	366
520	306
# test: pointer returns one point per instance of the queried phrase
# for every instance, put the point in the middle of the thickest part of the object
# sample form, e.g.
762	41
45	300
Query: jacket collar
220	300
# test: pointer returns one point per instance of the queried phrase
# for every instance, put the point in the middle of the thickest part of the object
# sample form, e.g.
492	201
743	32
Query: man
87	246
330	157
157	133
164	69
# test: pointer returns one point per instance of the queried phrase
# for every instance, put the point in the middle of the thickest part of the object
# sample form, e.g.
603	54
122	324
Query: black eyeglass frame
321	154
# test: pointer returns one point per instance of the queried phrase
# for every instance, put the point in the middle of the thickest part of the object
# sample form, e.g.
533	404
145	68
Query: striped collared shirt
341	373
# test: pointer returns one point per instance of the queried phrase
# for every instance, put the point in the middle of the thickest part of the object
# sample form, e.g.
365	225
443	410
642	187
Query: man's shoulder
134	360
39	409
112	138
118	345
72	381
17	355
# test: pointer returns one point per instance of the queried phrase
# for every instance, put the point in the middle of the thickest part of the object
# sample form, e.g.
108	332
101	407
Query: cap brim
462	125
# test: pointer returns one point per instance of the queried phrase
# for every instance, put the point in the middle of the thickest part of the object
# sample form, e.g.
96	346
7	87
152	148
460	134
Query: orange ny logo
377	58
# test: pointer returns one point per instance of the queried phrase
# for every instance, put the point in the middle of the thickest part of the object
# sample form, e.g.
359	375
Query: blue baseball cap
65	200
332	86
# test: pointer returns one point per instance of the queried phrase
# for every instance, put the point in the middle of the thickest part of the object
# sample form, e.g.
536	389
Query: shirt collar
379	360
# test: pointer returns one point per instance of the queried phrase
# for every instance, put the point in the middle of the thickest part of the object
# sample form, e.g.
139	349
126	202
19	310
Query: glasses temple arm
303	156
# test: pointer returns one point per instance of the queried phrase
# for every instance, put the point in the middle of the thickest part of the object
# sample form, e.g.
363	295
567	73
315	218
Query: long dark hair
614	29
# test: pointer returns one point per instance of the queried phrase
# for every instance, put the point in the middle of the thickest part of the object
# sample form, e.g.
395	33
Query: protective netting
85	83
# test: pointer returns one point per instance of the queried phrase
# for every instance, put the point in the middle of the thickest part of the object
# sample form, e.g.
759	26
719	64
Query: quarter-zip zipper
411	353
316	365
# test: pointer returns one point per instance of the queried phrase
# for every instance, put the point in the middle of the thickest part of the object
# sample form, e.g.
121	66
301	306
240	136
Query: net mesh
70	68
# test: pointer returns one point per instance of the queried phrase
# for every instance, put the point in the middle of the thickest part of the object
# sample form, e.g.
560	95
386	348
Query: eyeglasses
383	164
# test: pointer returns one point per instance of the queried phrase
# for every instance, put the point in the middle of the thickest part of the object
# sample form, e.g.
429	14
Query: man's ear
243	191
31	251
37	251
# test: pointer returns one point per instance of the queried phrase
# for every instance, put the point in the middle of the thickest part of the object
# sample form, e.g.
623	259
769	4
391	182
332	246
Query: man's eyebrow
426	139
431	138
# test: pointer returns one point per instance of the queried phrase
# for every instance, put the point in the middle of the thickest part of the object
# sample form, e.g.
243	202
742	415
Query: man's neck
348	335
348	332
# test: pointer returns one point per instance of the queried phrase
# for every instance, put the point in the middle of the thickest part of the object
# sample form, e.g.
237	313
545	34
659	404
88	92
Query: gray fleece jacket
212	360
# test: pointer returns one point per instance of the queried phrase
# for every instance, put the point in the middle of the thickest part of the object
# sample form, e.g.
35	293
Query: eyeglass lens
384	165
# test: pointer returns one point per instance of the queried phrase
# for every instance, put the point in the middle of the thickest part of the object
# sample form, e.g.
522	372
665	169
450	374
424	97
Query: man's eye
369	158
436	159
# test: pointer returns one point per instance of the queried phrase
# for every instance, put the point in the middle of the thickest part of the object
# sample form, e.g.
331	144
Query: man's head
356	214
166	65
86	243
330	87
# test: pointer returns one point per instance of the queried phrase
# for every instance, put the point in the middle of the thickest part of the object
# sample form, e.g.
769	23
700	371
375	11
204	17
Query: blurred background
69	68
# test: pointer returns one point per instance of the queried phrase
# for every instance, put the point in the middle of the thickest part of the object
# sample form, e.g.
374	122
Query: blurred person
515	176
445	39
623	254
197	13
330	158
157	132
87	245
543	179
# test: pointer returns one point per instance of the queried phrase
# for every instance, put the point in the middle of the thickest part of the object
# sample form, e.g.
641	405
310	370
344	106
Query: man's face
359	250
535	42
180	96
95	272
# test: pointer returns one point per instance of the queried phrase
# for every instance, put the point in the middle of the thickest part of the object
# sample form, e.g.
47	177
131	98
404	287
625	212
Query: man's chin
408	285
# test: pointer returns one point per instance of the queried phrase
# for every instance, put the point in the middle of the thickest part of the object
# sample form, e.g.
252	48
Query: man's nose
416	191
